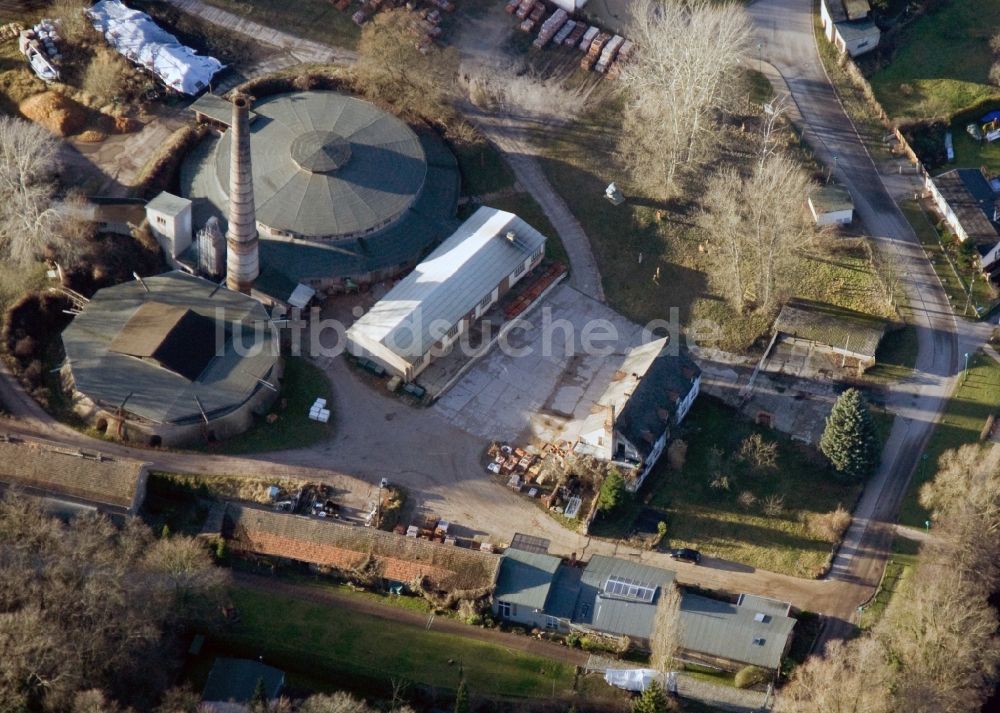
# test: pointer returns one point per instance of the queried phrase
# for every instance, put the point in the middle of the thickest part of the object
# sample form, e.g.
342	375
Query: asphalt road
785	40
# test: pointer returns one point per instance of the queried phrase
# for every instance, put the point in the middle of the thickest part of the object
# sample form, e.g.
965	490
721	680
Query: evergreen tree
652	700
258	701
850	439
462	697
613	492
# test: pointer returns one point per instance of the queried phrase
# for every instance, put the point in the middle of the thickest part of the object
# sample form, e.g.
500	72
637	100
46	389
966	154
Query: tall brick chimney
242	262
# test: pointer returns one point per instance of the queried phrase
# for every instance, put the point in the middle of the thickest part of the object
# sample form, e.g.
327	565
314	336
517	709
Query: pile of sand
57	113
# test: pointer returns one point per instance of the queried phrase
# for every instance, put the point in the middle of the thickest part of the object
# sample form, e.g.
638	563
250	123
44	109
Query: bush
750	676
573	640
829	526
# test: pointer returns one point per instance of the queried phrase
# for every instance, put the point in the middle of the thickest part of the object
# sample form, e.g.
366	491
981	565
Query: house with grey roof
971	208
755	631
848	25
651	392
429	309
614	597
534	589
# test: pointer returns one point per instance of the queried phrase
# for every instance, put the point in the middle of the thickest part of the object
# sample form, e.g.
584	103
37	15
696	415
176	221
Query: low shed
831	205
851	336
69	479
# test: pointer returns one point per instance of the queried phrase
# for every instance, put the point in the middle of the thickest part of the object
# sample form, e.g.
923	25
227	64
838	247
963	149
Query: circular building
171	359
344	192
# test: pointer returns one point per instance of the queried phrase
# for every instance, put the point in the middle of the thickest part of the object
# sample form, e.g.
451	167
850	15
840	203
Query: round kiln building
171	359
344	192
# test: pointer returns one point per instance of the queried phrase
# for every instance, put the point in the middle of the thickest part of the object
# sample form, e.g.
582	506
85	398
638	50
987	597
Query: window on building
485	302
504	609
160	220
537	254
519	270
551	622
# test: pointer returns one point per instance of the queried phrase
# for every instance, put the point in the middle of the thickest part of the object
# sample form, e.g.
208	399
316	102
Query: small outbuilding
233	683
169	219
831	205
851	338
70	480
848	25
449	290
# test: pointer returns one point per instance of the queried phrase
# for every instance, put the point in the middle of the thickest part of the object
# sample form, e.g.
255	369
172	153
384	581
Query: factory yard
543	396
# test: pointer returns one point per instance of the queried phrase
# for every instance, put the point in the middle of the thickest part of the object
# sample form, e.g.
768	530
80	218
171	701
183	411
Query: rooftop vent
758	640
511	236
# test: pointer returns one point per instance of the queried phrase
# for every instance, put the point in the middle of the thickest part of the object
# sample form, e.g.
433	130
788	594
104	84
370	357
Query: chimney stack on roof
242	262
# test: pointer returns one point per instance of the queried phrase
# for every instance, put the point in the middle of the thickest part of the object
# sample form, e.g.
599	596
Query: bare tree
682	75
391	68
28	162
850	677
755	226
667	632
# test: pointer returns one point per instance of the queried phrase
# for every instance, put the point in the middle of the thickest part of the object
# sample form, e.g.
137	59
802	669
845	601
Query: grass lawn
970	153
664	235
316	20
941	61
712	520
304	637
896	355
301	385
895	573
976	397
483	169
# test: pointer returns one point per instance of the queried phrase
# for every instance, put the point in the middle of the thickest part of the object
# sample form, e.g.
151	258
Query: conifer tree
850	439
652	700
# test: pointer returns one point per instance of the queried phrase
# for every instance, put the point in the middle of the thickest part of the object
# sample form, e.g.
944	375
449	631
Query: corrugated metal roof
155	393
832	326
449	283
733	632
764	604
971	199
374	183
525	578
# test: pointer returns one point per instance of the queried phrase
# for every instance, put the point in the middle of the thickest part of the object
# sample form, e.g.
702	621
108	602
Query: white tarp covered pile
139	39
633	679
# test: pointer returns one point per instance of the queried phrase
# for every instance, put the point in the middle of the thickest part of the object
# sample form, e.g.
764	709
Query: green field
301	385
941	62
712	520
976	397
338	646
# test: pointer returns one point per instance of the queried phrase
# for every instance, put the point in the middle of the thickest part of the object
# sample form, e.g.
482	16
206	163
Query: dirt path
527	644
304	51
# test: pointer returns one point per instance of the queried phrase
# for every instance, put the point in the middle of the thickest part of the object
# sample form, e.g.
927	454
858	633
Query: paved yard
545	382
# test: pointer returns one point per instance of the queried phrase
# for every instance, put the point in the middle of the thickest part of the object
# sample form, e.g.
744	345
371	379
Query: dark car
686	554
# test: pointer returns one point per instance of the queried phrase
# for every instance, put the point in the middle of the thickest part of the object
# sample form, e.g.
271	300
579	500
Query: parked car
686	554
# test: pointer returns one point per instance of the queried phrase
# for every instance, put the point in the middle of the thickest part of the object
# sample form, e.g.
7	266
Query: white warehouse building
449	290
